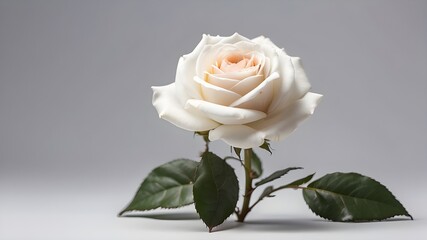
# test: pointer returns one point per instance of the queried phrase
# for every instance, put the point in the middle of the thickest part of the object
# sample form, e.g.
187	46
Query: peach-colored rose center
232	80
235	62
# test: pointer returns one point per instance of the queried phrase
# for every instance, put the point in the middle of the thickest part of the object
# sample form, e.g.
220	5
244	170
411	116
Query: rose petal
265	68
281	124
259	98
186	70
252	61
168	107
233	39
302	85
227	66
222	82
240	136
216	70
265	42
239	75
293	86
246	85
215	94
211	54
208	58
270	51
223	114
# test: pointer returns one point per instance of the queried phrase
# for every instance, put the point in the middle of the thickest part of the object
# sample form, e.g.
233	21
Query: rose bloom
243	91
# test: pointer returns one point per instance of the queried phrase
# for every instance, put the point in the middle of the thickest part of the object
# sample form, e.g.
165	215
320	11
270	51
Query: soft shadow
399	219
267	225
277	225
165	216
227	225
395	219
307	225
290	225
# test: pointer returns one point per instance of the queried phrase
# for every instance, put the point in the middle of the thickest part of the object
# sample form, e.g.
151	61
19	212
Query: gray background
78	132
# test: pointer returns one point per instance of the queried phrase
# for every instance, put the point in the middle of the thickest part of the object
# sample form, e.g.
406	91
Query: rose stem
248	186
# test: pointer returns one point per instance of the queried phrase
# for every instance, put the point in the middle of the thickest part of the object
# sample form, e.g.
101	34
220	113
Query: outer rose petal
277	126
293	86
266	42
185	85
294	83
224	114
234	39
186	70
168	107
240	136
271	53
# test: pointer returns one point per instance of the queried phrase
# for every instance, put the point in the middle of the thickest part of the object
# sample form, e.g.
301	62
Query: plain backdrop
78	132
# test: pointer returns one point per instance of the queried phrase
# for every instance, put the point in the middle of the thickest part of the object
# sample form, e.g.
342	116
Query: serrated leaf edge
381	219
264	180
191	183
123	212
195	174
360	221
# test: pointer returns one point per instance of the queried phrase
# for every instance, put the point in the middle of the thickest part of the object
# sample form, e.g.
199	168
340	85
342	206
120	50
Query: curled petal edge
167	105
224	114
278	126
240	136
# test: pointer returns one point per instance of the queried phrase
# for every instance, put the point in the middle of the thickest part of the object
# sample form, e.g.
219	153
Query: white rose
242	91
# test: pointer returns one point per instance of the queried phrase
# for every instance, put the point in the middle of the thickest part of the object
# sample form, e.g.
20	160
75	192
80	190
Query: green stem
248	187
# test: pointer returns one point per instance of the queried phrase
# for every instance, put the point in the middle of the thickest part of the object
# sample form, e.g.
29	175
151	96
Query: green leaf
275	175
266	146
268	190
351	197
168	186
216	190
256	166
298	182
266	193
